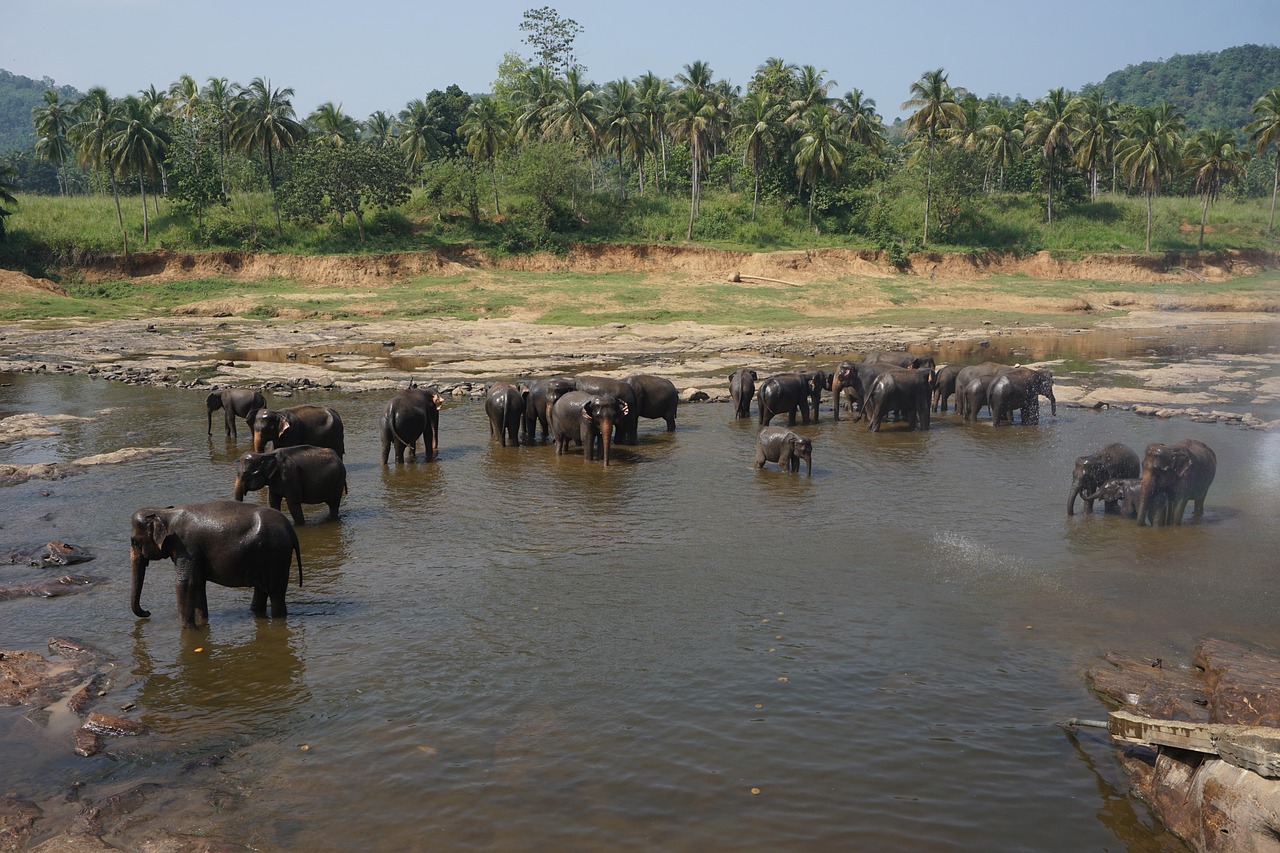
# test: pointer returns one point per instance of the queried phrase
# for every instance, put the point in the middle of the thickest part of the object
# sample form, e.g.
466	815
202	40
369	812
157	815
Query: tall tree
329	127
652	96
1048	128
862	124
265	121
817	151
220	96
536	96
1002	140
936	111
8	187
379	130
419	132
1148	152
693	117
488	132
1215	158
551	37
1264	132
759	128
624	126
575	116
138	145
98	121
52	123
1094	135
811	87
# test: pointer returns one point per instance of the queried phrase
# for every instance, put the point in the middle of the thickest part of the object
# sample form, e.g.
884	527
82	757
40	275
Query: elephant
900	359
412	414
236	403
504	404
944	385
226	542
851	380
584	417
972	396
318	426
742	387
296	475
1172	475
656	397
540	395
1020	388
1118	495
629	424
818	380
901	389
781	445
1111	462
784	392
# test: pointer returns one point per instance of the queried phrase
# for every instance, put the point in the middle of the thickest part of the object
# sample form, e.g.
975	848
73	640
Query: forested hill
1211	89
18	95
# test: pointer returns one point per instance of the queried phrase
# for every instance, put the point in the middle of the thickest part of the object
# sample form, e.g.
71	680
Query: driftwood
1194	738
738	278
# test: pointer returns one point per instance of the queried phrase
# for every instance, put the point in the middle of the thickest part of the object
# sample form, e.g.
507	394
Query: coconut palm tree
220	96
811	89
379	130
1048	128
487	128
862	124
1148	152
936	111
537	93
1216	159
8	186
329	127
652	95
138	145
1094	135
52	122
624	126
419	132
265	121
99	119
1264	132
759	129
693	116
817	151
1002	140
696	75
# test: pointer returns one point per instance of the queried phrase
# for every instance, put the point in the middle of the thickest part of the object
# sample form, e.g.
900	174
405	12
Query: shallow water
507	650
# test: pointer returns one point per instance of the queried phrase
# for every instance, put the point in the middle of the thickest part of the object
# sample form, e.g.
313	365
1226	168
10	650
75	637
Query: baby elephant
297	475
781	445
1119	496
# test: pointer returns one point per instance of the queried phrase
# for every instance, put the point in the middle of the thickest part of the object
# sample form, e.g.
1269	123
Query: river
509	650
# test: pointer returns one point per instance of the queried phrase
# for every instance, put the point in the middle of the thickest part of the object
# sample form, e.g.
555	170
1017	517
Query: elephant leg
275	498
187	601
333	505
278	609
295	509
231	421
386	448
259	604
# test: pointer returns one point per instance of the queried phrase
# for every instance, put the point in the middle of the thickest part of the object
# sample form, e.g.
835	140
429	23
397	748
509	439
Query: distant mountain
18	95
1211	89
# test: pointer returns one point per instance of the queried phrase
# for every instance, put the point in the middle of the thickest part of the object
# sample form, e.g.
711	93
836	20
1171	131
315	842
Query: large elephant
1118	496
944	385
629	425
1172	475
818	380
1114	461
504	405
971	395
588	419
656	398
540	395
850	382
412	414
787	393
787	448
900	390
900	359
742	388
235	403
226	542
296	475
318	426
1020	388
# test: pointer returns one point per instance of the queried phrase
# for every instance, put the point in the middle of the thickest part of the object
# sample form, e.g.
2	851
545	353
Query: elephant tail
297	550
391	421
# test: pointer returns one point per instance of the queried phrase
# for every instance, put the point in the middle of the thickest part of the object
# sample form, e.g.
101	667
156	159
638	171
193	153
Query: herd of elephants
235	544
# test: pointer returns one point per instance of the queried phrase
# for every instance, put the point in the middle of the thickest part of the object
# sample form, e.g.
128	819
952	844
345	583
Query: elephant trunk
1145	494
1053	404
605	436
240	488
835	398
258	442
1076	488
139	565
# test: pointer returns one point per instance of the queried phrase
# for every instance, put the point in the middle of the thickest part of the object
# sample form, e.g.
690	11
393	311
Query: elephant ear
158	530
754	375
1181	462
284	426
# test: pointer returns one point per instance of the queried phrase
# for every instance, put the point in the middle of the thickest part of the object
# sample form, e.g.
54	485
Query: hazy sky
379	54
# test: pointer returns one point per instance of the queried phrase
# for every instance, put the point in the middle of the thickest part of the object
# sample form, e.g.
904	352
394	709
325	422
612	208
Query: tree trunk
271	178
120	216
755	197
1274	187
360	223
1049	176
1149	194
1204	214
146	224
622	175
928	189
693	191
493	170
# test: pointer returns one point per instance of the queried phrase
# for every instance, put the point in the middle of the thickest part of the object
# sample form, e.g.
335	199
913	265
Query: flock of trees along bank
551	157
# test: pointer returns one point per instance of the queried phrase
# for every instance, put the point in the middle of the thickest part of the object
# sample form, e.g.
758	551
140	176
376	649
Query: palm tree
696	75
1264	132
575	116
8	187
99	120
536	95
1216	159
817	151
624	126
652	94
139	144
379	129
52	123
157	105
1094	135
1149	150
1048	127
488	131
693	116
862	124
759	128
936	110
1002	140
220	96
265	121
330	127
810	91
419	133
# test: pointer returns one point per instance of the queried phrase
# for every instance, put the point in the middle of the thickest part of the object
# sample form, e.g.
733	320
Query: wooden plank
1255	748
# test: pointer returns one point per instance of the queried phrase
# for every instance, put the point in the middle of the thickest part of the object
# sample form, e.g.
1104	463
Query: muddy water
506	650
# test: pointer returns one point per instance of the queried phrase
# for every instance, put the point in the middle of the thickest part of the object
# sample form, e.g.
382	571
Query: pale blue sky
379	54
